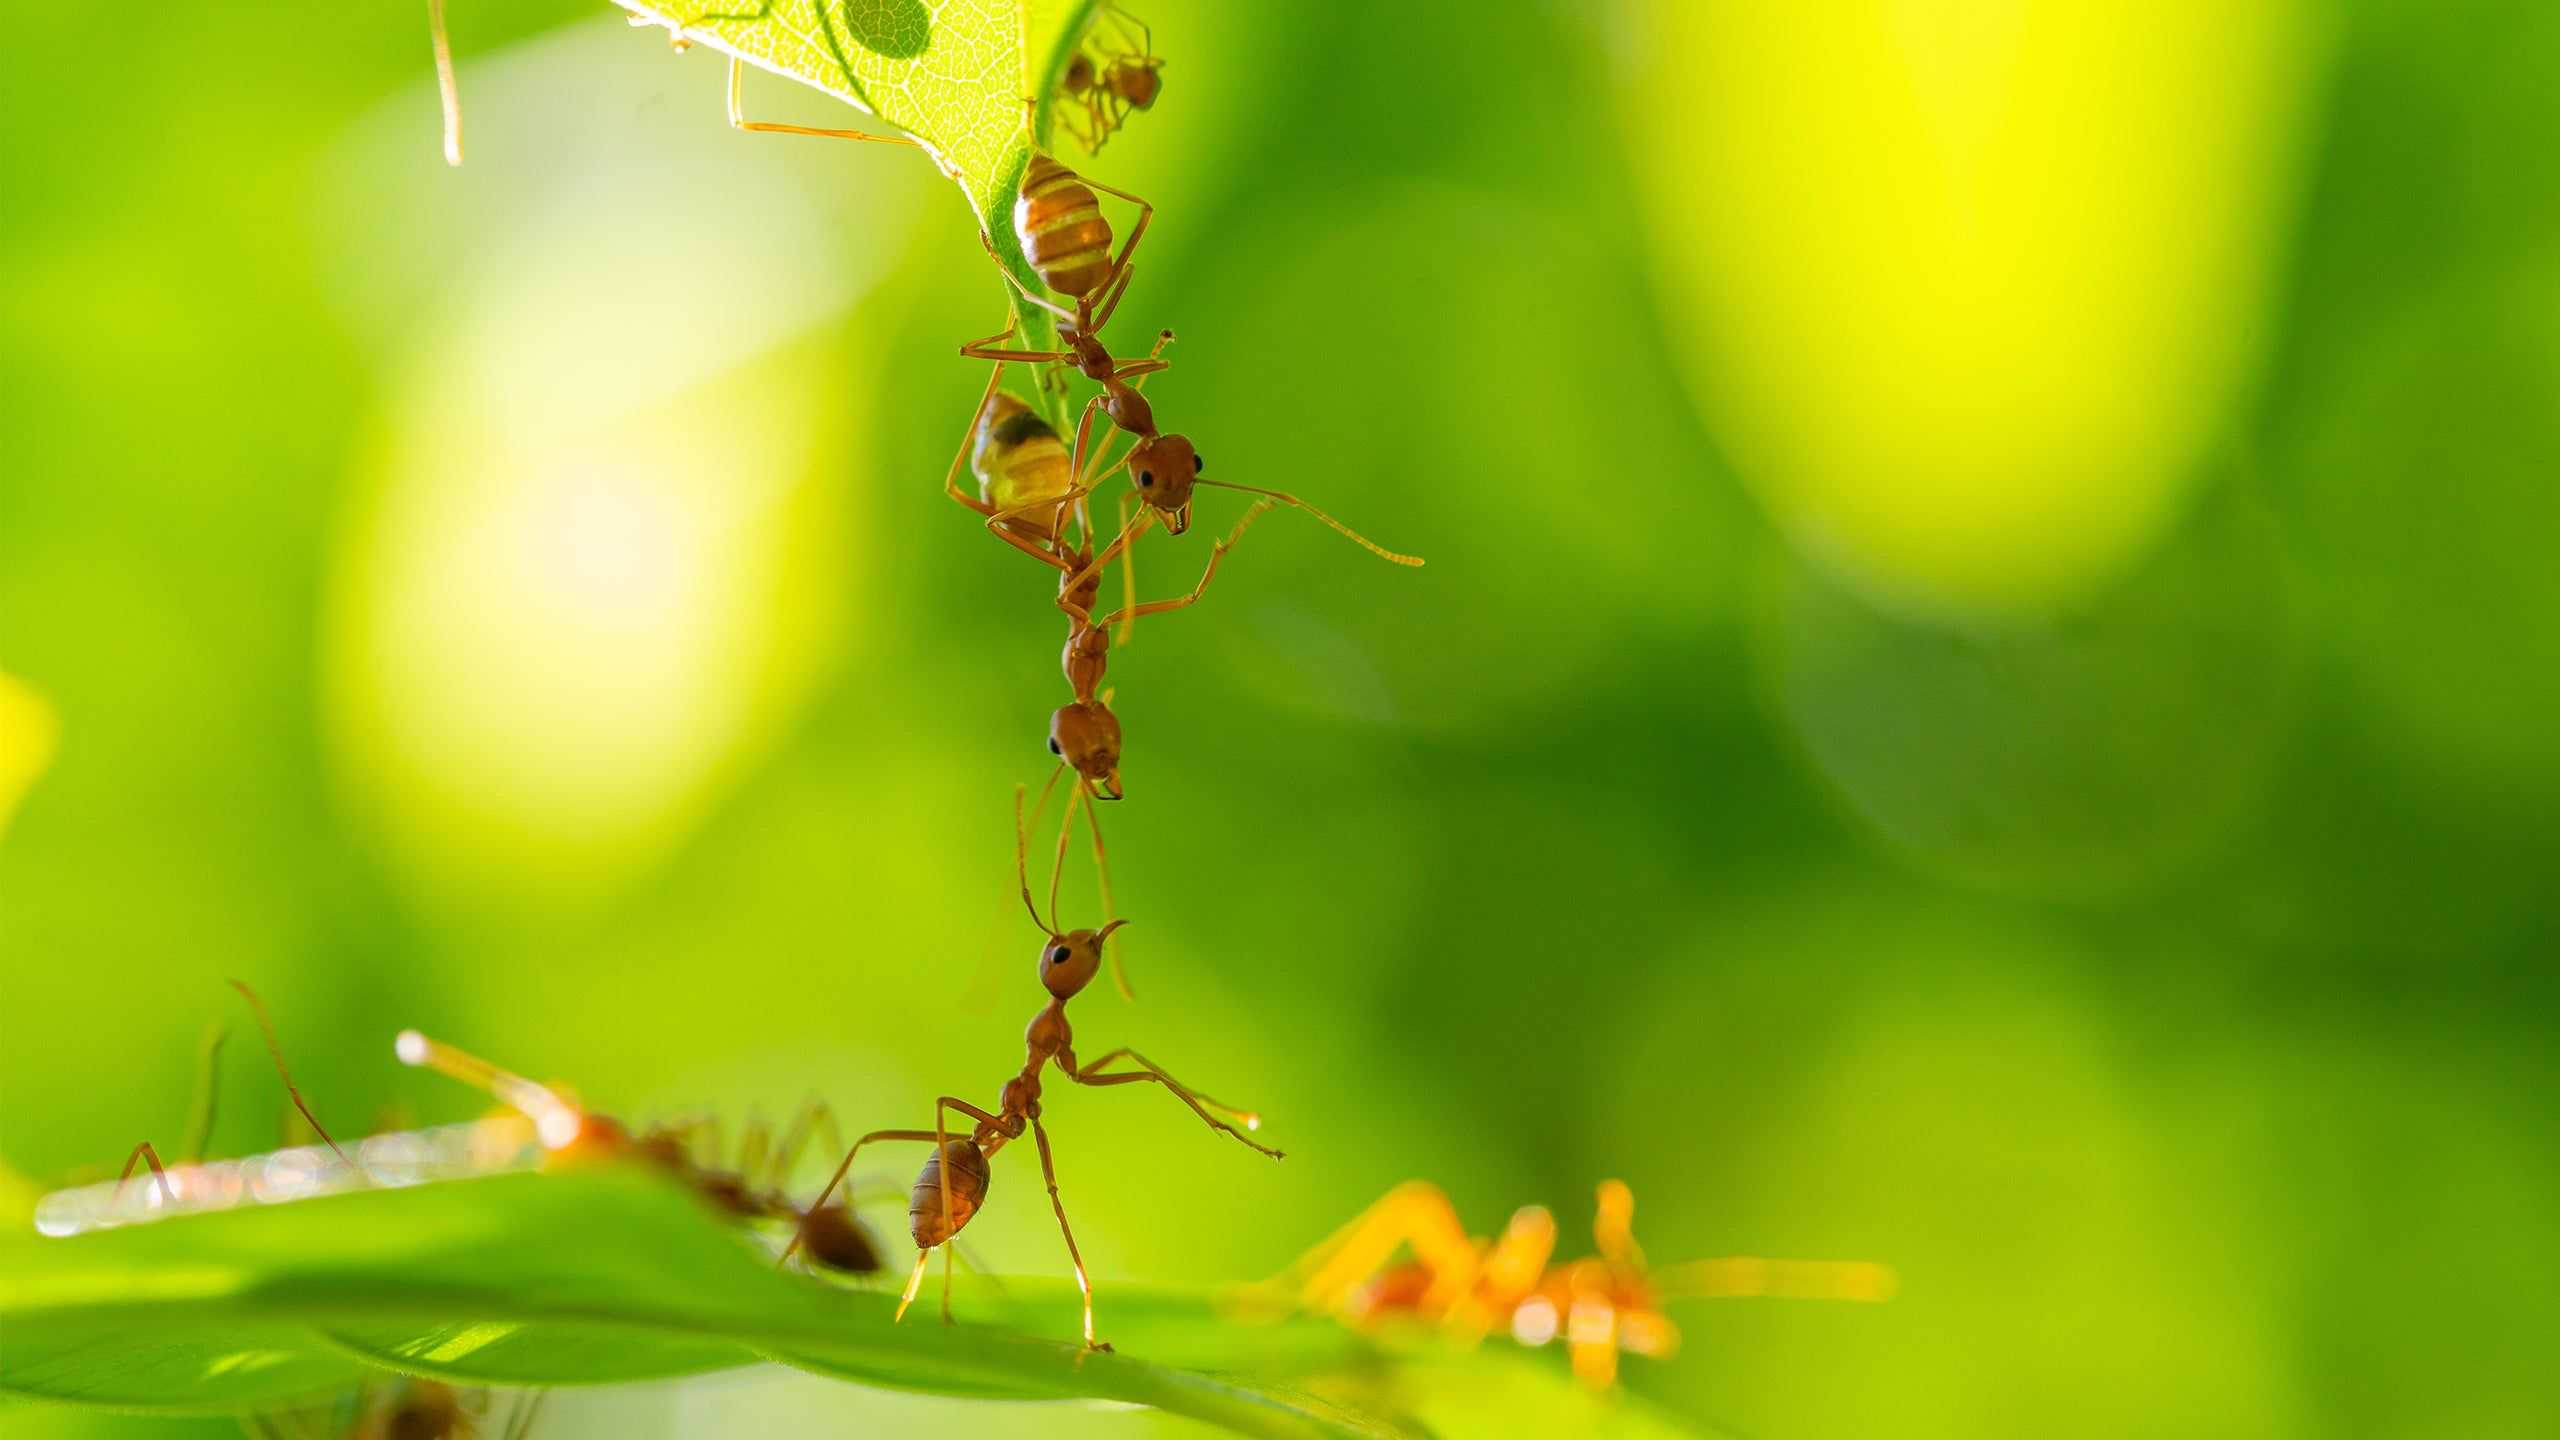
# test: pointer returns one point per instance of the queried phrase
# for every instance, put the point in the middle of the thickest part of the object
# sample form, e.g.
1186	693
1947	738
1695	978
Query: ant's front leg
1217	552
738	116
1200	1104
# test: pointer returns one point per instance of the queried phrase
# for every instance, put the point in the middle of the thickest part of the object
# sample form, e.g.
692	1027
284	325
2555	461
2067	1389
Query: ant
200	1125
953	1183
408	1408
1126	80
572	1135
1058	221
1600	1306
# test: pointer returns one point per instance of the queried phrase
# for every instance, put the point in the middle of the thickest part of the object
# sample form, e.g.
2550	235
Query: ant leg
446	91
969	440
208	1096
1116	287
838	1178
1049	1168
1504	1274
814	1116
1052	306
1217	552
1128	566
1199	1103
1416	1214
1146	213
146	1154
980	348
275	1052
738	118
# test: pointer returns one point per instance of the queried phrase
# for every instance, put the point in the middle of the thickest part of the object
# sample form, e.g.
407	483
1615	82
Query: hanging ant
1058	221
754	1191
1599	1306
953	1183
1125	80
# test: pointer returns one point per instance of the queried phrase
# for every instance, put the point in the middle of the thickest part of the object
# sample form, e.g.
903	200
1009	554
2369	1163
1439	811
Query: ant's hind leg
1049	1169
738	118
1200	1104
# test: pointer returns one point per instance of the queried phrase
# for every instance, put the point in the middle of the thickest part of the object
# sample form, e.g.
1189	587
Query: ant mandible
953	1183
572	1135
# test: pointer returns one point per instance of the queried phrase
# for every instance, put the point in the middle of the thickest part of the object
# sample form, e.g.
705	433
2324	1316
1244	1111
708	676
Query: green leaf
581	1278
955	74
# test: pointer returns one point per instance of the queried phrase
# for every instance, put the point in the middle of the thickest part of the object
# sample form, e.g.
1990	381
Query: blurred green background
1987	693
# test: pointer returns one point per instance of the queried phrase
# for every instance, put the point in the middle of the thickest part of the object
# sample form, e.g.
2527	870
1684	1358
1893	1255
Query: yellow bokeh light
1965	289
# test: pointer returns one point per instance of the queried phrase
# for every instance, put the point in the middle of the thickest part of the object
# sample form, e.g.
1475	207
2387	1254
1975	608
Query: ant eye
1058	956
1198	464
1146	478
1053	745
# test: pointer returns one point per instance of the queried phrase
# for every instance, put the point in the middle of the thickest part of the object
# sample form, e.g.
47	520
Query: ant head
1086	735
1069	962
1079	76
1164	467
1138	85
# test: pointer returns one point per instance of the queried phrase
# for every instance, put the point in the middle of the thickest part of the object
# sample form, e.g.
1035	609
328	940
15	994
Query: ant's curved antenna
1394	557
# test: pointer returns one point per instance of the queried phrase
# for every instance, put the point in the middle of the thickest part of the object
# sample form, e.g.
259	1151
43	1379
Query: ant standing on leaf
1125	80
953	1183
571	1135
1470	1287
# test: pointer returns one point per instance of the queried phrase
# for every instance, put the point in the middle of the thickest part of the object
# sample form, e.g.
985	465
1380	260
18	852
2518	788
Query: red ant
1470	1287
953	1183
572	1135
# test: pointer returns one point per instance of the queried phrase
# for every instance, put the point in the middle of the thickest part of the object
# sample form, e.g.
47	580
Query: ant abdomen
965	1165
831	1237
1059	221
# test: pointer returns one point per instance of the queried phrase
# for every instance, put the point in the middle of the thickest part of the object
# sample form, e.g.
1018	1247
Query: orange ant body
1598	1306
1125	80
952	1186
572	1135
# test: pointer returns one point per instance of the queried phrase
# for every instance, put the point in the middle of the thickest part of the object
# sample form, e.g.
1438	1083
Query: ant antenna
1392	557
555	1120
1077	798
267	1027
445	87
1022	854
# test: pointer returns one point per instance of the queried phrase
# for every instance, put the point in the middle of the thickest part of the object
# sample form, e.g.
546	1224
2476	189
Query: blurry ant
754	1191
1599	1306
953	1183
200	1124
407	1408
1125	80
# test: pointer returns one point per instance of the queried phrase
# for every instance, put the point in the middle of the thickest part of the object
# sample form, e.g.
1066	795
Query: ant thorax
1047	1037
